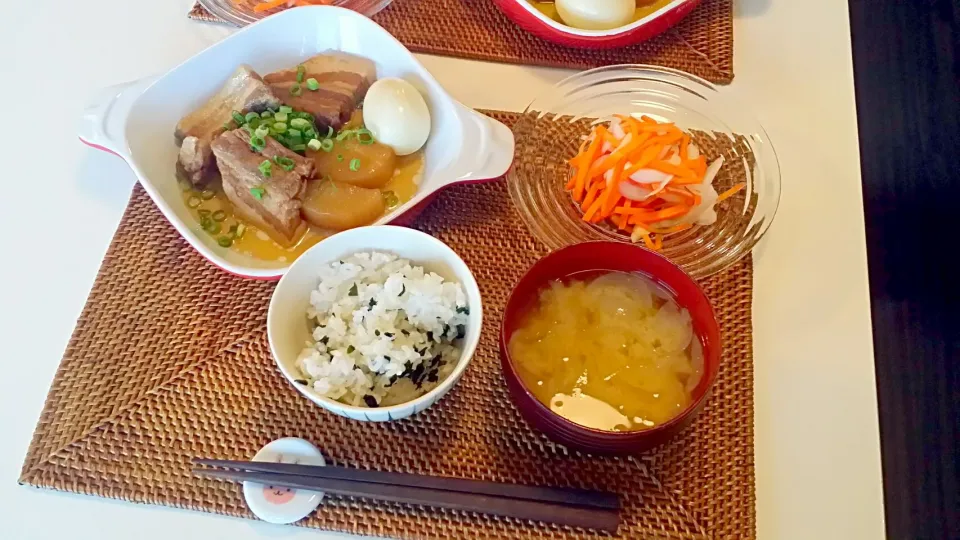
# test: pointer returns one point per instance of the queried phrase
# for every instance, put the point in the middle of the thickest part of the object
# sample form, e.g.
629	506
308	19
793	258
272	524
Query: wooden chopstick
573	516
559	495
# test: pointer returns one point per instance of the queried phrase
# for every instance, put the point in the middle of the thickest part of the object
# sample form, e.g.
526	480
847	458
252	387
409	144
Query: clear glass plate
241	13
549	131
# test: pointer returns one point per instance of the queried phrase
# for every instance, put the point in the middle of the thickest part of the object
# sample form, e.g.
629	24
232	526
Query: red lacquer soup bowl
617	257
534	21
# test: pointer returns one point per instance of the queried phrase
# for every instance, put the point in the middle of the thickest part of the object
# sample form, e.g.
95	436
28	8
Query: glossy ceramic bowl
534	21
288	328
241	13
549	131
136	120
619	257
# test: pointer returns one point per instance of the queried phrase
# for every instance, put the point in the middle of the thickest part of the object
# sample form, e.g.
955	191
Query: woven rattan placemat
701	44
170	361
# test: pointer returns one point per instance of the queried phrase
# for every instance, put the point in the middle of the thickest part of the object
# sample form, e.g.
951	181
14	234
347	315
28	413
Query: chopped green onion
365	136
329	131
209	225
241	228
265	168
219	215
266	114
344	134
238	118
225	241
253	124
339	157
299	147
309	133
257	144
194	202
281	116
354	164
327	145
203	213
262	132
391	200
312	84
301	71
258	193
299	123
294	133
207	194
296	90
285	163
284	109
279	126
250	116
315	145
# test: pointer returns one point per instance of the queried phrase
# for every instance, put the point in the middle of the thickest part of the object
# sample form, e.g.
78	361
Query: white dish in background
288	328
136	120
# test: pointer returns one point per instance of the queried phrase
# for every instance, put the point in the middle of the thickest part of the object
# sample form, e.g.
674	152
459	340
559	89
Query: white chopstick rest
279	504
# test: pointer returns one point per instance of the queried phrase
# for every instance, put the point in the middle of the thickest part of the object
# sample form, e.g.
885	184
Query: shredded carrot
730	192
583	169
649	242
592	195
594	207
270	4
612	195
609	161
646	156
605	161
623	221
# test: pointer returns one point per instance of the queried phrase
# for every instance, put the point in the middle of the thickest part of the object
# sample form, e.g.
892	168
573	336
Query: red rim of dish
654	267
535	22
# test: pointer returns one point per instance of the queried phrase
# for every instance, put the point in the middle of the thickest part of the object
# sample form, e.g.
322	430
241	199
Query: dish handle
106	114
494	146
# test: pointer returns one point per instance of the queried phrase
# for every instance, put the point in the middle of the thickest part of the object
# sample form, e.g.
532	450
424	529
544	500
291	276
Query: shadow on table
750	8
104	177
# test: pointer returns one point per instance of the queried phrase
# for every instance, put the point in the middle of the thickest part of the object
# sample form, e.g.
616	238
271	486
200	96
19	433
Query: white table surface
817	445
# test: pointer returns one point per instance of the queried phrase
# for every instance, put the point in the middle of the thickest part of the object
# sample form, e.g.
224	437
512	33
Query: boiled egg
396	115
596	14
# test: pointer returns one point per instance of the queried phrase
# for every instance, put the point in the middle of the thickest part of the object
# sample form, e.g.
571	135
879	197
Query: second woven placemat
170	361
701	44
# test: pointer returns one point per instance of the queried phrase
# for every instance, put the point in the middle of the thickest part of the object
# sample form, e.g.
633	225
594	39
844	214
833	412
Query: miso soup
612	351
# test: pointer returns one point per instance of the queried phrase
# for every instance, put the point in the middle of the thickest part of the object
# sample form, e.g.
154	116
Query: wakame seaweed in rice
386	331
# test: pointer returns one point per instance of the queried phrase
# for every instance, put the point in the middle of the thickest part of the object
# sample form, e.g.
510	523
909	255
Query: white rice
386	331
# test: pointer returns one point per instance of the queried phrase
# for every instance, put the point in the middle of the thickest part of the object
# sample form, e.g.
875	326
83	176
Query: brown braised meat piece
244	91
269	202
343	82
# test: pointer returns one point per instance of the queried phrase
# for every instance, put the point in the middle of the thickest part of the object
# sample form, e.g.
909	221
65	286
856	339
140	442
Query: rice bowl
291	332
386	331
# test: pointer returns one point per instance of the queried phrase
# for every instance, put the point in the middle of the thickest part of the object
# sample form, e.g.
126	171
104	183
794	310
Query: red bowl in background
532	20
618	257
